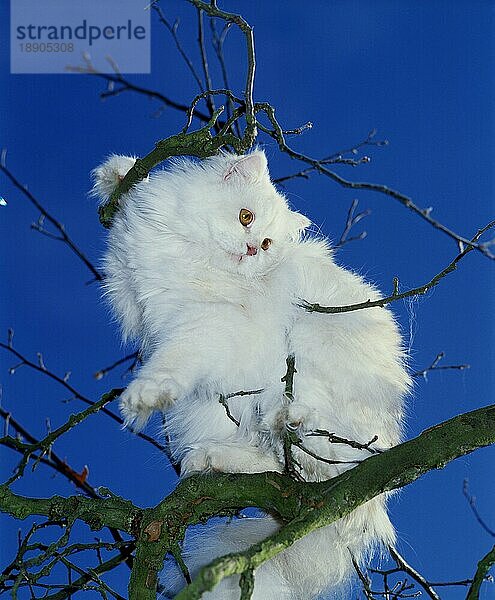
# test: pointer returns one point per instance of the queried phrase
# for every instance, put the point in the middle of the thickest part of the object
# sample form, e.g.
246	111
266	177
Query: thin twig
366	582
406	567
44	445
173	31
339	158
54	461
434	367
289	438
425	213
472	504
64	237
212	10
351	221
335	439
64	383
127	86
298	444
204	61
218	42
134	357
396	295
223	399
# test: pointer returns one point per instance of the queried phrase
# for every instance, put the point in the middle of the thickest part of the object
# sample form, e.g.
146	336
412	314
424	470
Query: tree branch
396	295
303	506
277	134
64	236
484	566
63	381
434	367
43	446
198	143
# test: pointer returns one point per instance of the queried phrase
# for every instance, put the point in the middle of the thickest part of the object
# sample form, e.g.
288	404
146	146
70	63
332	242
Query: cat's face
248	222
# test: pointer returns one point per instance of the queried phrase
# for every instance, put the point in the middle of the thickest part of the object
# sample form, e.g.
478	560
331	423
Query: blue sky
422	75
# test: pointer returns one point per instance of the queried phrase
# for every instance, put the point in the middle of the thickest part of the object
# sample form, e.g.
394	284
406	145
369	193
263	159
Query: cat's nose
251	250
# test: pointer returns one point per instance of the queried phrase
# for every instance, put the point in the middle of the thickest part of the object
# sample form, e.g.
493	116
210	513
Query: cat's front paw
195	461
229	459
142	397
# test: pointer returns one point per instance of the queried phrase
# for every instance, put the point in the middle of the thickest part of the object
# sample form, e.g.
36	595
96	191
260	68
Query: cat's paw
195	461
142	397
244	459
229	459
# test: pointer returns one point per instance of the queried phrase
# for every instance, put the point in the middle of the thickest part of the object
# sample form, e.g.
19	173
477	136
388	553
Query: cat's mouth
250	251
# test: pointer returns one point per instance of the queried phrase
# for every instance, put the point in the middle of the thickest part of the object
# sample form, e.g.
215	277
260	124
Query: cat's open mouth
250	251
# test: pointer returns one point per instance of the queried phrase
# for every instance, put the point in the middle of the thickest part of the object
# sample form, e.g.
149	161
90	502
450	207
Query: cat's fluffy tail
317	566
109	174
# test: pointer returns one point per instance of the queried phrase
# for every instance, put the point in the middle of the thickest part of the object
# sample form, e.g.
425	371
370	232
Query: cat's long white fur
214	319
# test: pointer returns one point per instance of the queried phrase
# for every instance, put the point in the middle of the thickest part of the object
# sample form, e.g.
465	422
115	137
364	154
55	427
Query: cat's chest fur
247	322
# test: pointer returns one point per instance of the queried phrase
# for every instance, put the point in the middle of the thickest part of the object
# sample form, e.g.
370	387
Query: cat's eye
246	217
266	243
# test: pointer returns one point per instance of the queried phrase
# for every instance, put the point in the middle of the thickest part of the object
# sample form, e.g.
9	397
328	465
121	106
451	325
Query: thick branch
97	513
198	143
304	506
484	566
393	469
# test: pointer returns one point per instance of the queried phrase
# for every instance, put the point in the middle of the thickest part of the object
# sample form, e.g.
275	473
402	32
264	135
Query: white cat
206	266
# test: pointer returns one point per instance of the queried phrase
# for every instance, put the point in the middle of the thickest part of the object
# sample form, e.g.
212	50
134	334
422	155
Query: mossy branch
111	511
484	566
393	469
200	143
303	507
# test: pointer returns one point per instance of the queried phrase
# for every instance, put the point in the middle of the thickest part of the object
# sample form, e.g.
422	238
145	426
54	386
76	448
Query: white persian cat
206	266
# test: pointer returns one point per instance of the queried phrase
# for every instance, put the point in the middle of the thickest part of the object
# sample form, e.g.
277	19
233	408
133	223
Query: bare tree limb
352	220
434	367
63	235
396	295
43	446
53	461
406	567
134	357
472	505
41	368
339	157
425	213
173	32
204	61
212	10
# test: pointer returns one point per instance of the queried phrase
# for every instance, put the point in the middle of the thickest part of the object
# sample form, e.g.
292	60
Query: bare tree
141	538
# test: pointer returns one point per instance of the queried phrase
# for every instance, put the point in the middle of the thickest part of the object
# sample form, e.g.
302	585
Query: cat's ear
298	223
251	167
